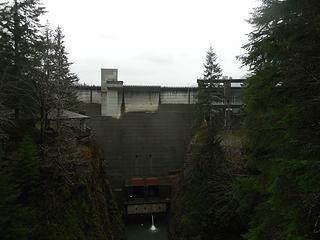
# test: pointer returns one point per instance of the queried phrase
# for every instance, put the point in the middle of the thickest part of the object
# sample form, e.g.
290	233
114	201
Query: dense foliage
19	47
282	105
276	194
52	177
202	207
45	200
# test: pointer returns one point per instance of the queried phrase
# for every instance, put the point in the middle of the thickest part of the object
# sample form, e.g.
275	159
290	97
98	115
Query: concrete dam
144	131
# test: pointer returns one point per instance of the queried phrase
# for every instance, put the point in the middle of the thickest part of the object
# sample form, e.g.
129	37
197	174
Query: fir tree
49	189
282	105
57	94
210	92
19	189
212	68
64	79
46	84
19	45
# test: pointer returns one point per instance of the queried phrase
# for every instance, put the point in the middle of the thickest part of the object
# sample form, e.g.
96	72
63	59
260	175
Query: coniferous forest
52	180
258	181
264	183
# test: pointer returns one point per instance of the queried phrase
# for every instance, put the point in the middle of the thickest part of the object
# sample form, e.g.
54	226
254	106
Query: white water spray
153	227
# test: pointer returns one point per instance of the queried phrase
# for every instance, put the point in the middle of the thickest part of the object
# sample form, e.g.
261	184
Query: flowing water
143	229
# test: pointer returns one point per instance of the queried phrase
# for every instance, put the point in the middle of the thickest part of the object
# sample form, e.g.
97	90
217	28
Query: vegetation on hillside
52	177
44	198
202	207
274	194
282	105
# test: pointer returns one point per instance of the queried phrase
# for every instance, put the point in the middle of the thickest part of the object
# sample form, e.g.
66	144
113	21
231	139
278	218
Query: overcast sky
152	42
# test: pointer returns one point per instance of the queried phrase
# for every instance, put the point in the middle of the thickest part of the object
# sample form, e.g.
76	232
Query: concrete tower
111	93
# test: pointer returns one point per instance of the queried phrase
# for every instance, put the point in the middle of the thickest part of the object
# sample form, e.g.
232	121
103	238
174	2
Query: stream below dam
141	229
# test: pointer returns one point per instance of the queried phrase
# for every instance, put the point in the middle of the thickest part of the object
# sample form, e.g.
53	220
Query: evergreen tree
209	92
212	68
45	92
282	105
56	88
202	207
19	46
5	48
64	79
54	188
19	185
65	98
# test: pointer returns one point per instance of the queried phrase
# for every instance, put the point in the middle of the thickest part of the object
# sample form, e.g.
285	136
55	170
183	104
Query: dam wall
140	99
124	99
142	144
144	131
